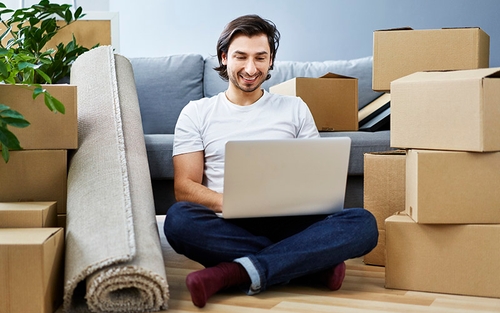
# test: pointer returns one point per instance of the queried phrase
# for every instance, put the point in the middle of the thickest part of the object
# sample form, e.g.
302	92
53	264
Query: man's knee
175	219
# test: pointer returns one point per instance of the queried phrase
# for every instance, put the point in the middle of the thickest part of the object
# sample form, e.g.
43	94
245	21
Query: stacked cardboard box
447	239
31	257
444	113
33	200
384	194
397	53
39	171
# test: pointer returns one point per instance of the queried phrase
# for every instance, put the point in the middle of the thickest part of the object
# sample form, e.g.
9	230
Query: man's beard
251	87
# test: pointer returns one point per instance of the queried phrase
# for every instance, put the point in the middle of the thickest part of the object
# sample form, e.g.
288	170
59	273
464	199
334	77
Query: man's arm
188	177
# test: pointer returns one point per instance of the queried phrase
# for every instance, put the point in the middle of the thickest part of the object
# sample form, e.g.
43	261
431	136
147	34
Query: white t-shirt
207	124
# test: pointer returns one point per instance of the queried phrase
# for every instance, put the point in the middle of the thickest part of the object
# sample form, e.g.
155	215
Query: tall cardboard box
453	187
384	193
48	130
31	269
332	99
403	51
28	214
35	175
454	259
455	110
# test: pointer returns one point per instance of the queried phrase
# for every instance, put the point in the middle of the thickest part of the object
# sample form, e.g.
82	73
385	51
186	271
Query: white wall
312	30
88	5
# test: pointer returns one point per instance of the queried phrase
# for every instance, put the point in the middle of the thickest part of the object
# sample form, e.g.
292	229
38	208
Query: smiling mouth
249	80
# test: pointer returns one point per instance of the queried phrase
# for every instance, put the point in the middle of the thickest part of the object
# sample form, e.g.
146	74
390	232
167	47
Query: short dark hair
248	25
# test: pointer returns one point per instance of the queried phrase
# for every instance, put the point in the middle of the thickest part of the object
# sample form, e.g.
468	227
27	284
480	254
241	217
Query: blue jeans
273	250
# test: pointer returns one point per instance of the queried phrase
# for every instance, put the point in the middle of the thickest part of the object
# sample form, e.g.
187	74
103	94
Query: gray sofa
166	84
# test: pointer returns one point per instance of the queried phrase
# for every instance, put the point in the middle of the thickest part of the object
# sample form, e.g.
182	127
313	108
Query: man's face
248	60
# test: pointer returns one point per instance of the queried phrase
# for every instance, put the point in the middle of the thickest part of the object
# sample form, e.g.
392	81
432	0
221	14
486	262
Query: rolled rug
113	259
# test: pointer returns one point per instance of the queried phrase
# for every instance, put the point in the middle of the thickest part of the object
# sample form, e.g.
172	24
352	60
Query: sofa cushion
159	148
164	86
362	142
284	70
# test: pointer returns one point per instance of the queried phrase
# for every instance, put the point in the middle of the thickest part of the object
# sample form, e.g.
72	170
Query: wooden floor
362	291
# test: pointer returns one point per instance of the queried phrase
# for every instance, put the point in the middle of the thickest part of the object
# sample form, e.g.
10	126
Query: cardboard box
48	130
95	27
88	33
31	269
28	214
403	51
452	187
384	193
455	259
35	175
332	99
377	255
456	110
61	220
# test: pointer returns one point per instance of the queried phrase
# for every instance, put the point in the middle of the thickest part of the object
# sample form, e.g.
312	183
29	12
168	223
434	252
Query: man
252	253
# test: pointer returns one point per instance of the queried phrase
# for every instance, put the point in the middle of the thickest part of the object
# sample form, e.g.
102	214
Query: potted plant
27	62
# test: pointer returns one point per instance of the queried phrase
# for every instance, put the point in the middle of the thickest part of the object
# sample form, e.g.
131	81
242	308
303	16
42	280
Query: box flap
451	75
409	28
388	152
399	217
26	236
333	75
395	29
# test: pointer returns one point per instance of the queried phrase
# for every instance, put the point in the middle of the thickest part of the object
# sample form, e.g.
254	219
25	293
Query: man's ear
223	58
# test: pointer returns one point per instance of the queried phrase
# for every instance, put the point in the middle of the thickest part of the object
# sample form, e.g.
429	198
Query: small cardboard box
454	259
48	130
87	33
452	187
96	27
384	193
35	175
455	110
332	99
28	214
403	51
31	269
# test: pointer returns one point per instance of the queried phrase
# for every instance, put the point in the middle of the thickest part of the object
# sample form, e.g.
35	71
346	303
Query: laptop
286	177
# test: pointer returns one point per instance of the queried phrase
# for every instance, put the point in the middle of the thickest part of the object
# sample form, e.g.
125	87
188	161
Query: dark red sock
205	283
334	277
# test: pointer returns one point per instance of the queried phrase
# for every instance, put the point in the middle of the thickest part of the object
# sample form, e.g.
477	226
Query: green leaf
3	69
78	12
23	65
68	17
44	76
7	31
38	91
53	104
12	117
8	139
5	153
15	122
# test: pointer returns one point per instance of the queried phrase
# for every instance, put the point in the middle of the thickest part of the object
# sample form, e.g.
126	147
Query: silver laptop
285	177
